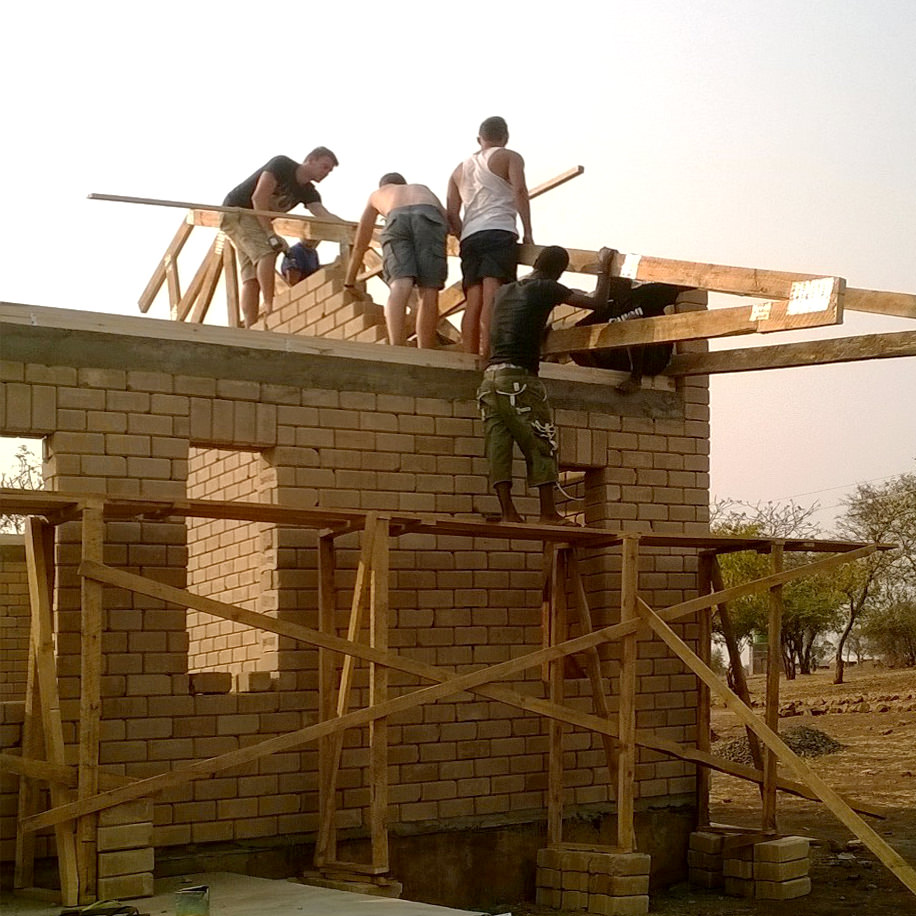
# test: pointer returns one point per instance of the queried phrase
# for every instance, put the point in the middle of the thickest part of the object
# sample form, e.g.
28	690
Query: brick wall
354	426
14	617
227	560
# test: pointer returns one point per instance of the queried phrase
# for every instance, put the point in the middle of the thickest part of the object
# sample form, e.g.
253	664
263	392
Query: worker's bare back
392	196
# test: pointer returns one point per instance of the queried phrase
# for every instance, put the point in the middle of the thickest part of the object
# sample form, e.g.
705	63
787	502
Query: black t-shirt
287	194
520	313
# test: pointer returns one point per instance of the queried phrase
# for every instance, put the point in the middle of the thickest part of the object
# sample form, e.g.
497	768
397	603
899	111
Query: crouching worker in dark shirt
512	399
625	302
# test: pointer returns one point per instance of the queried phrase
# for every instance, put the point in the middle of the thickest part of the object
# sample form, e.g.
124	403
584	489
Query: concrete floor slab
241	895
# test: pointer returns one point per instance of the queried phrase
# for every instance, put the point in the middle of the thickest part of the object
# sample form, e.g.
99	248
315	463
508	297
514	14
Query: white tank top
489	201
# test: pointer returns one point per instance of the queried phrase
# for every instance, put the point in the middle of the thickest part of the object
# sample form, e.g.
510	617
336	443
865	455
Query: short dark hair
322	152
392	178
494	129
552	261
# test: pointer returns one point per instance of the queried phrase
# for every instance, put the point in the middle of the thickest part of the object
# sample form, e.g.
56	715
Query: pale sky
776	135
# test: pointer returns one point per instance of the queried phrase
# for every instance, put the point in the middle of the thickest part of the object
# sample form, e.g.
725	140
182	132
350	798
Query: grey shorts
413	245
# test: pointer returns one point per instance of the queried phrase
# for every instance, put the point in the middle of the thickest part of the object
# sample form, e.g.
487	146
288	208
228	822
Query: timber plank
40	565
885	853
890	345
91	622
161	273
626	729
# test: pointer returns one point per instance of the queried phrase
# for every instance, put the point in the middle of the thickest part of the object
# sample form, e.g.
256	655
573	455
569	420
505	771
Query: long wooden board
39	563
890	345
823	307
885	853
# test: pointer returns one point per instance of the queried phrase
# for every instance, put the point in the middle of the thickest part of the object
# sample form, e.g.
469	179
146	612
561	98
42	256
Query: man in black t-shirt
512	399
279	185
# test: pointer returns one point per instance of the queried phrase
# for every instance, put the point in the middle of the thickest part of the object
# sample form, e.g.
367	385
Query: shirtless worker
512	399
413	253
490	185
279	185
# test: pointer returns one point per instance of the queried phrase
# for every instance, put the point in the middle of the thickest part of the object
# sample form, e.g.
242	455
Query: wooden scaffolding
79	793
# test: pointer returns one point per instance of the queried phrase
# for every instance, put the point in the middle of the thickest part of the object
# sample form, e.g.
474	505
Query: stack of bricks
704	859
125	851
319	306
774	870
593	881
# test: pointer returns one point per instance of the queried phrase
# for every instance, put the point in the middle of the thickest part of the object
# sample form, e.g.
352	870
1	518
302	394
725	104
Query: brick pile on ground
804	741
864	703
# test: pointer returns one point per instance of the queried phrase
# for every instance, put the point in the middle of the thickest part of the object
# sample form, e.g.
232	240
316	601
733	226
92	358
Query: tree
25	475
810	603
885	581
890	630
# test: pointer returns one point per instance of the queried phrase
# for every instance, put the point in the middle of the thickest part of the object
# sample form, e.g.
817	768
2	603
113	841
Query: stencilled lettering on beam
760	311
810	296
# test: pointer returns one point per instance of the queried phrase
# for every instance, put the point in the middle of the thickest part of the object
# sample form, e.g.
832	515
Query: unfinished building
256	550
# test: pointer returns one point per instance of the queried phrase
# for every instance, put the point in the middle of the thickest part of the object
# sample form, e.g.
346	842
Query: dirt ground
877	764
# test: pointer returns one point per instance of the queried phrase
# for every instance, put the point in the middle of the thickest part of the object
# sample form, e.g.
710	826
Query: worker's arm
262	196
317	208
361	242
598	299
520	188
453	205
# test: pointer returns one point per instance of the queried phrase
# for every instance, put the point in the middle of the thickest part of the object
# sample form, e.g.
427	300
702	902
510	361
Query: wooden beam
593	662
555	632
33	768
32	747
211	278
91	624
39	562
448	684
555	182
881	302
378	694
786	356
626	729
161	273
763	318
327	669
327	827
734	656
704	723
291	225
196	284
885	853
771	715
231	281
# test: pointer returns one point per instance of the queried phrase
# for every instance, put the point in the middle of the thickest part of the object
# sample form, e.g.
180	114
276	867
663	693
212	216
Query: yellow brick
126	862
782	890
125	836
126	887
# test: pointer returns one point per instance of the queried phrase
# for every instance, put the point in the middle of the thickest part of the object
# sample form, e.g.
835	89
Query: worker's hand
605	258
278	244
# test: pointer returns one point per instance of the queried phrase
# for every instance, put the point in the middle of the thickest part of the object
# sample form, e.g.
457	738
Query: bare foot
629	386
513	517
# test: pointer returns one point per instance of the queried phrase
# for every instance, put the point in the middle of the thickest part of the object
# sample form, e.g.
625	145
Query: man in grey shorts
413	250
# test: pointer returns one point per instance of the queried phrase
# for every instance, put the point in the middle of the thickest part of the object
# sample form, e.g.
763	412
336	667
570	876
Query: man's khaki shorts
250	241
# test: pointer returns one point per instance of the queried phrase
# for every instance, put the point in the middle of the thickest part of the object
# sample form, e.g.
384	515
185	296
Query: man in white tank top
490	185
